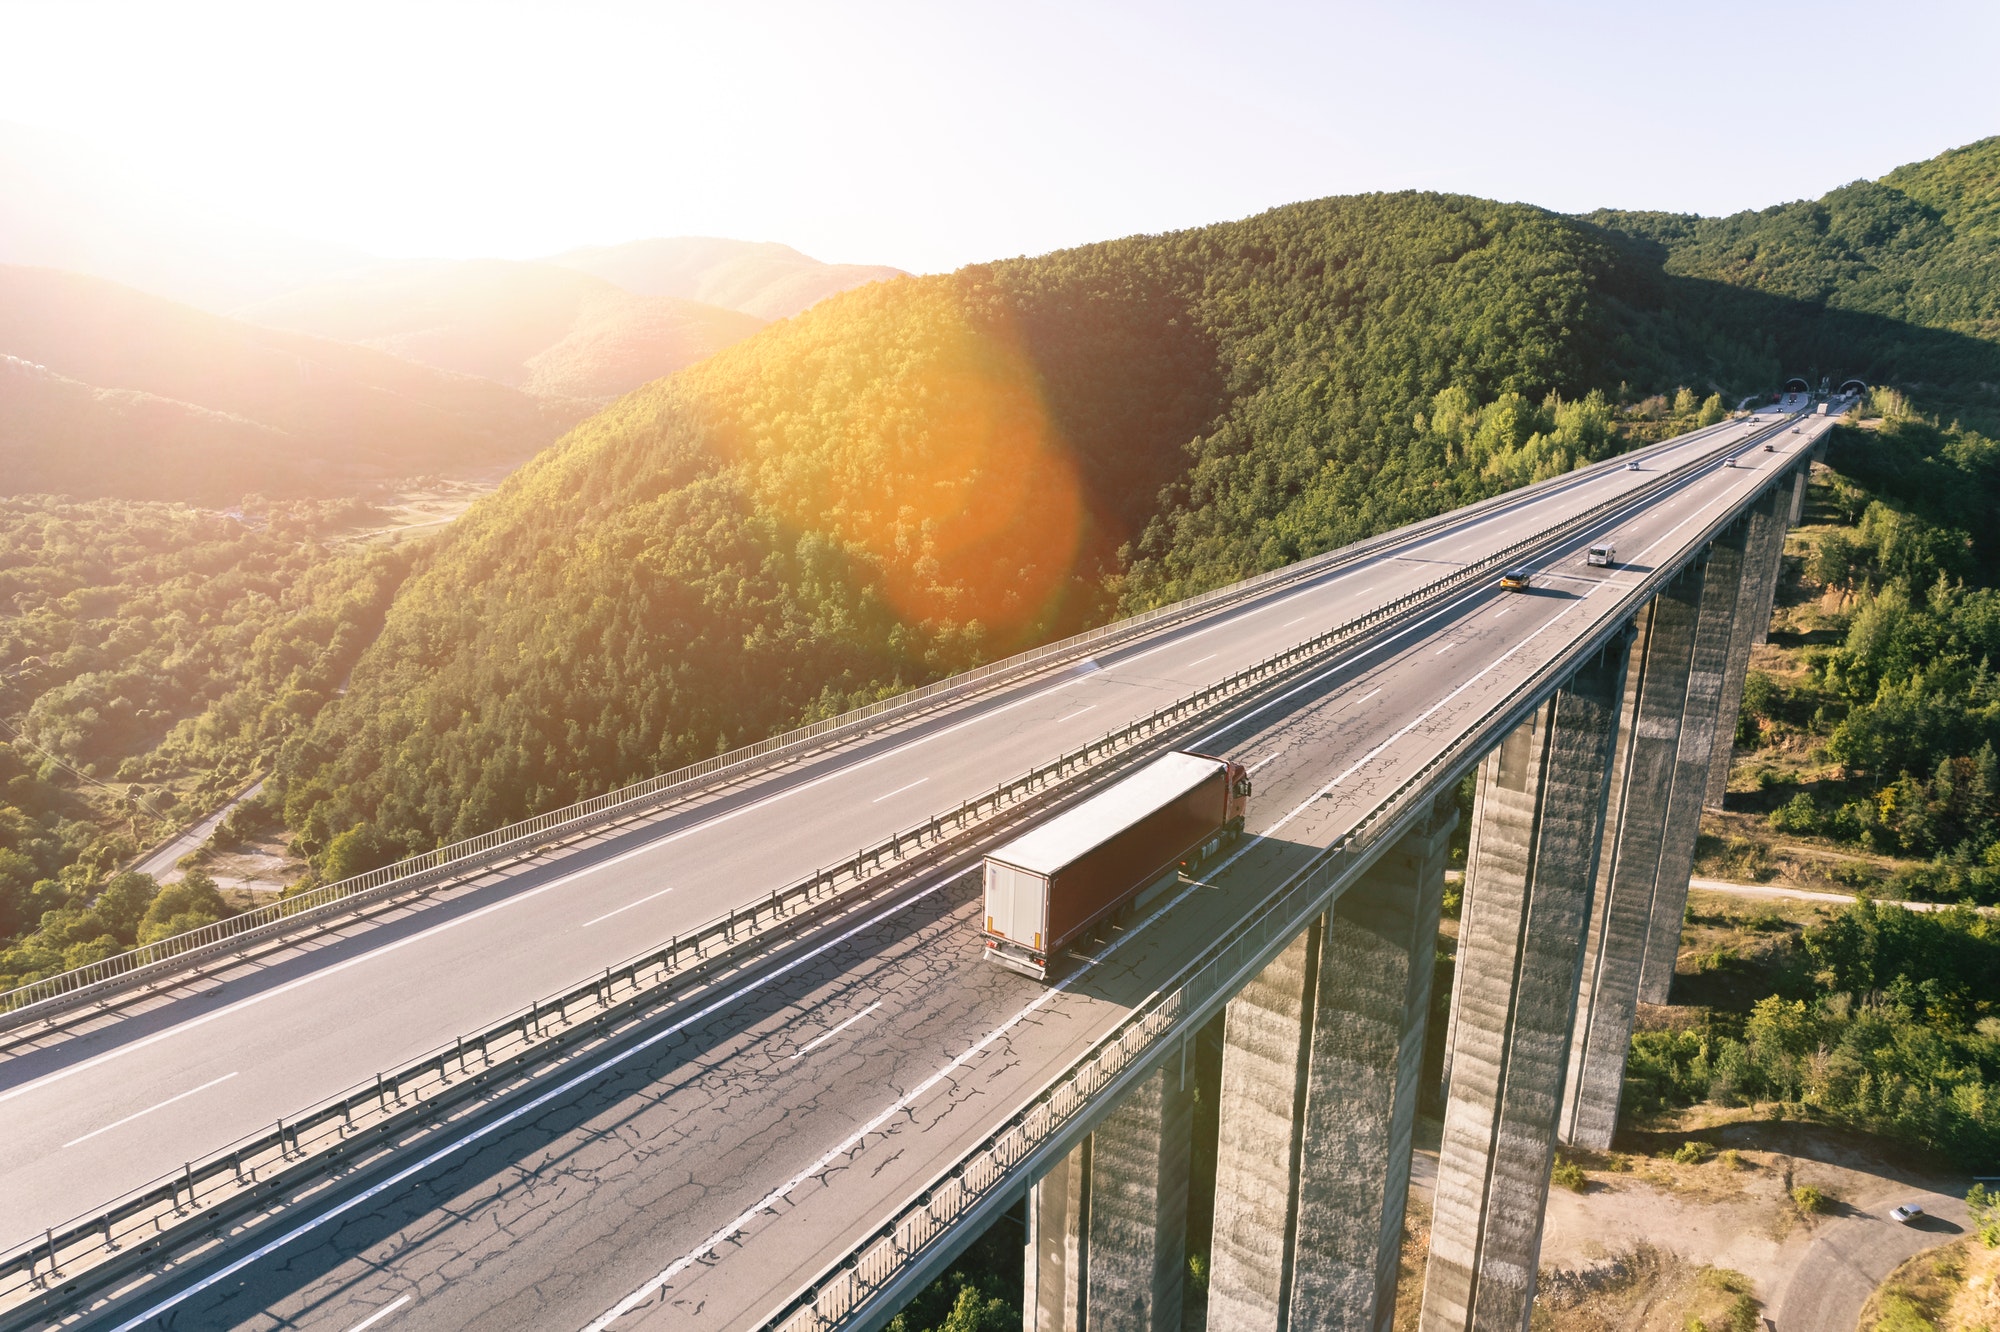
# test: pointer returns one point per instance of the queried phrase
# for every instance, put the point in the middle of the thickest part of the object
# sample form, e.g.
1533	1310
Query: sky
931	135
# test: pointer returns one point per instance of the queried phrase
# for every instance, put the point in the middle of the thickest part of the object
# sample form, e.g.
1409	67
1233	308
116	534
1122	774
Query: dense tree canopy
152	658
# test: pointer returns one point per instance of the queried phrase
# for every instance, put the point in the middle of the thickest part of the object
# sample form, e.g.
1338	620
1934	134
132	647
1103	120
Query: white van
1603	556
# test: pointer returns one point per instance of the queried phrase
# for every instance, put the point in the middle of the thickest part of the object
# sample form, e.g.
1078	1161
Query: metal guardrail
885	1268
159	1216
316	907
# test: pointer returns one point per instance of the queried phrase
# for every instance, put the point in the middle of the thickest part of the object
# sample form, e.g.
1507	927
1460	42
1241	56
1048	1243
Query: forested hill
919	474
1919	246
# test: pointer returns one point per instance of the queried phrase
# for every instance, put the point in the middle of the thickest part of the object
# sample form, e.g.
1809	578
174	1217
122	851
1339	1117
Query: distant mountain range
551	331
141	397
190	358
764	279
65	205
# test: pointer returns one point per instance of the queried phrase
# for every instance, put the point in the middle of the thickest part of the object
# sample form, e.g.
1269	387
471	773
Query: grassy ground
1952	1289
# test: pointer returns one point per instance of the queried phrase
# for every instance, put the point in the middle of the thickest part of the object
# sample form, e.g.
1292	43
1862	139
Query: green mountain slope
760	278
920	474
147	399
552	331
1920	246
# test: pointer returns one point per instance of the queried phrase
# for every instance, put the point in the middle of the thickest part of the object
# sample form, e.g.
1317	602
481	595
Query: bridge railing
320	906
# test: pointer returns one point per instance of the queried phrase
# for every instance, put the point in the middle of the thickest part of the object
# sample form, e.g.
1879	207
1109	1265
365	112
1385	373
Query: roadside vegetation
1955	1288
1870	1016
1867	743
153	658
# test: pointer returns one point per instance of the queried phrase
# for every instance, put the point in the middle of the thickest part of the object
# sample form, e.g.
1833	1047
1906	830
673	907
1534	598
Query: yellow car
1517	580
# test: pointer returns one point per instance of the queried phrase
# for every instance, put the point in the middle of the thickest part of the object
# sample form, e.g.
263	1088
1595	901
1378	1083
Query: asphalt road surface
1855	1252
701	1180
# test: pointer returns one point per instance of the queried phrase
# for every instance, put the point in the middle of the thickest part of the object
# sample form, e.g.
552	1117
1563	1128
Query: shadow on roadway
620	1129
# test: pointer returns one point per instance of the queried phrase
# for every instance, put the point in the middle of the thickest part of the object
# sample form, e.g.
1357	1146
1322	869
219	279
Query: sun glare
944	469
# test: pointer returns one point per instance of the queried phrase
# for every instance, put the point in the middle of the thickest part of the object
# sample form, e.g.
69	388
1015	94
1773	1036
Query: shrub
1799	816
1569	1175
1809	1200
1984	1205
1693	1152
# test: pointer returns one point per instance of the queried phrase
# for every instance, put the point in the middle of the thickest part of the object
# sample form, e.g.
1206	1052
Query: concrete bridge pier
1321	1058
1721	576
1530	868
1642	771
1107	1227
1763	554
1788	502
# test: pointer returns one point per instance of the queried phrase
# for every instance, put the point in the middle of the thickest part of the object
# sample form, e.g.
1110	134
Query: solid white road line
380	1314
649	897
779	1194
899	790
828	1035
150	1109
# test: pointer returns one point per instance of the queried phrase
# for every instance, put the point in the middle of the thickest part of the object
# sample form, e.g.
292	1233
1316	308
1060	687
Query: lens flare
943	471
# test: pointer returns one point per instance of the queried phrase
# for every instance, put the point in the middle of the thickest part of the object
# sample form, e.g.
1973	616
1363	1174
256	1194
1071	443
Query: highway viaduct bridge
400	1106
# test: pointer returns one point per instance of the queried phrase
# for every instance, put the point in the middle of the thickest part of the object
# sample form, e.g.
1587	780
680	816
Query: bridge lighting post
1321	1058
1530	868
1642	767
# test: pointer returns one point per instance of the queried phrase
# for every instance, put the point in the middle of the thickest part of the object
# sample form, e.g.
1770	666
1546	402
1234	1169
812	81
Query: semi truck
1065	876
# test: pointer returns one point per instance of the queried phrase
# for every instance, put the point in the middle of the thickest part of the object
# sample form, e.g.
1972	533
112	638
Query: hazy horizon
921	139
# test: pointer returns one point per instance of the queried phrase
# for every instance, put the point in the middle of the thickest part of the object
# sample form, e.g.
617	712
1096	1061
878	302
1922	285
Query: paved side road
1854	1254
1770	892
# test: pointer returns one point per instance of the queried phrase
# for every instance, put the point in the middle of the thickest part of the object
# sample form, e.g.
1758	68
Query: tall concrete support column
1529	878
1642	771
1107	1228
1790	502
1053	1295
1138	1206
1321	1058
1763	552
1721	577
